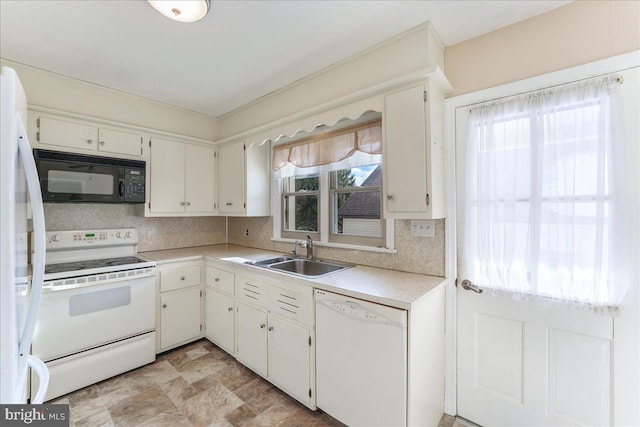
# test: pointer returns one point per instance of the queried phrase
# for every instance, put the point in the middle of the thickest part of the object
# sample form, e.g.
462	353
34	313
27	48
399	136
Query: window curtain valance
331	147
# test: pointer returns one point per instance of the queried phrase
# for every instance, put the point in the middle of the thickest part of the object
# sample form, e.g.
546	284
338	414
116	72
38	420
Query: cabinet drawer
296	304
252	290
220	279
177	278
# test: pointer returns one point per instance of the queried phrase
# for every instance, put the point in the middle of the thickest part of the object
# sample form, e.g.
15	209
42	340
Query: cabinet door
200	179
219	319
405	157
167	176
67	134
290	357
231	171
119	142
251	337
179	317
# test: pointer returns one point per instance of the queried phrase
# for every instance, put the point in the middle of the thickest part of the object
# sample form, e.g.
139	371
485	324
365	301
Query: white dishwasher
361	361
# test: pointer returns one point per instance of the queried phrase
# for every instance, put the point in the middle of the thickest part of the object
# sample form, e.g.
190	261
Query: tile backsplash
423	255
153	233
414	254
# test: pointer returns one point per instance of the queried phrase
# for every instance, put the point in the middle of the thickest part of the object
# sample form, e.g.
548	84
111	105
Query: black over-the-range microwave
77	178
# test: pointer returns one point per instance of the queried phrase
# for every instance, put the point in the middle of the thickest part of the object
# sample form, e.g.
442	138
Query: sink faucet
309	245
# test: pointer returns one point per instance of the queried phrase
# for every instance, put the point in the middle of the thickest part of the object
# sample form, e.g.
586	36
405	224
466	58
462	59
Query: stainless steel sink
264	262
300	266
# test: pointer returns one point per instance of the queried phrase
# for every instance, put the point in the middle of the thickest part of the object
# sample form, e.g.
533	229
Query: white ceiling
241	51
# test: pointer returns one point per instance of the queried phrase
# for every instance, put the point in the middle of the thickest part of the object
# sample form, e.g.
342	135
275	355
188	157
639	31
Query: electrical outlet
422	228
247	231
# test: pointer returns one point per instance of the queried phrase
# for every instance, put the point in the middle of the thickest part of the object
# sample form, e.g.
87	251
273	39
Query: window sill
339	245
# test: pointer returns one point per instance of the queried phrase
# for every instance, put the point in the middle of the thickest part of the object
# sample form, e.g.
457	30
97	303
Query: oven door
69	181
78	318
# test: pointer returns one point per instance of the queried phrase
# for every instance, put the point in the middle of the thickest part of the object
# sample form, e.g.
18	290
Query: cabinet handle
101	142
389	197
164	305
188	203
271	328
230	308
182	278
89	141
229	204
217	279
262	325
182	203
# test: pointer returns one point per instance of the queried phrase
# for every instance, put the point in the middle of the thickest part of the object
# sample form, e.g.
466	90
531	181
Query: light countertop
393	288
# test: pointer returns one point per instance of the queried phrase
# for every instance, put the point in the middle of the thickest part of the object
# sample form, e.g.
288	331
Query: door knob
468	286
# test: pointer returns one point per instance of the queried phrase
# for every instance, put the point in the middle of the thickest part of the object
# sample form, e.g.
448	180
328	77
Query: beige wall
46	89
580	32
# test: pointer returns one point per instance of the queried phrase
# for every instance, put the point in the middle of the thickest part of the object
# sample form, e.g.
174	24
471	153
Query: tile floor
195	385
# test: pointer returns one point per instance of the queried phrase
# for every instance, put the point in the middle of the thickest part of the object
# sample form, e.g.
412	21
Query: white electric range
97	314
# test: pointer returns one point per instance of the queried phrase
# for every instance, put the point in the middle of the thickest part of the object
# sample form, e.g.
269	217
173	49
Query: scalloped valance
330	147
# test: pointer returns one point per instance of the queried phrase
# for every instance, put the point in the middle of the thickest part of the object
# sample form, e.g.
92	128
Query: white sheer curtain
542	200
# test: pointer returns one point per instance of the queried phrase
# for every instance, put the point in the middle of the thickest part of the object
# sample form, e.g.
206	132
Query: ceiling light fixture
182	10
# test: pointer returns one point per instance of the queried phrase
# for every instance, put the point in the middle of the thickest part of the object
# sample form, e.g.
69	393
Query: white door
522	363
179	317
219	318
231	172
167	176
289	357
200	179
251	337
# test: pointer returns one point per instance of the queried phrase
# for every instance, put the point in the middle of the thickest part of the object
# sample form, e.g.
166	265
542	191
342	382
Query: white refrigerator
19	294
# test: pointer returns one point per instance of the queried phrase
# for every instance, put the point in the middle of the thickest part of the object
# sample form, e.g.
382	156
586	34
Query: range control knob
128	235
119	235
55	238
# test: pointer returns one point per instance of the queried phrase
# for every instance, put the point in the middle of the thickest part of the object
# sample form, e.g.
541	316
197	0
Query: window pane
358	214
301	212
307	183
361	176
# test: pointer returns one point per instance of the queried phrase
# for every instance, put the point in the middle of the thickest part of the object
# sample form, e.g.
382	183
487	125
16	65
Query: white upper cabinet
244	179
413	153
66	134
181	179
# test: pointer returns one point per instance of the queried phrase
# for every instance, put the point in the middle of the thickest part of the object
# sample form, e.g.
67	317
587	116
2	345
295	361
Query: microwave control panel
134	185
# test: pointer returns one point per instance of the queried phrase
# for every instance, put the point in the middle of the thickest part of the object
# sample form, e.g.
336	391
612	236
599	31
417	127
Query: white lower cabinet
251	338
179	317
220	319
278	347
290	357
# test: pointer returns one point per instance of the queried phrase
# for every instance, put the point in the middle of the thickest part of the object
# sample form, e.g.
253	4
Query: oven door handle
39	238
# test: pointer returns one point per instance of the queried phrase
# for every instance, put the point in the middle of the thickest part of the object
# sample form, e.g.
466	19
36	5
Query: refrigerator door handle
42	371
39	238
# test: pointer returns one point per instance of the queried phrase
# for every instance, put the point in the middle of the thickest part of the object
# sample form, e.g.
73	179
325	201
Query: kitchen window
331	186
